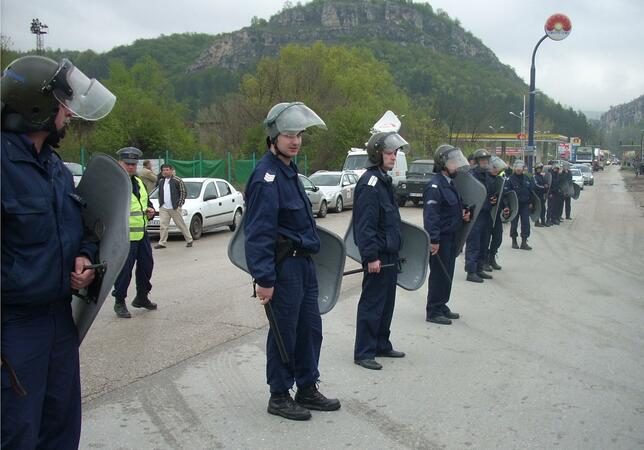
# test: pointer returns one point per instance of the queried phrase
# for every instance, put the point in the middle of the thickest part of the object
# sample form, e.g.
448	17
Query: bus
583	155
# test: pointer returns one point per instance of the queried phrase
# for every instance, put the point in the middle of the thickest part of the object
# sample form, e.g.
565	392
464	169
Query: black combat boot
484	275
473	277
546	223
493	263
142	301
515	244
524	245
283	405
310	398
121	309
487	267
538	224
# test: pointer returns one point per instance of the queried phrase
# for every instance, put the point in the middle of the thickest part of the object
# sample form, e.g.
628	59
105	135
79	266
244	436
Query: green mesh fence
212	168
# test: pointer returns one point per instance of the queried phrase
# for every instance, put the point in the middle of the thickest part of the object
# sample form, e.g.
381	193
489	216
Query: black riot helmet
383	141
449	157
480	154
33	88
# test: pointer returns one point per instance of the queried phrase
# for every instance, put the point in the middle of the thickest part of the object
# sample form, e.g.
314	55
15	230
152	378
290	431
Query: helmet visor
455	160
297	117
498	163
90	100
393	142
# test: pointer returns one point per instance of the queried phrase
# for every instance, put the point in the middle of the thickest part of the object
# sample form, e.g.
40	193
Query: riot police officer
280	239
541	188
376	231
443	217
43	251
141	210
497	169
554	195
565	202
523	186
479	236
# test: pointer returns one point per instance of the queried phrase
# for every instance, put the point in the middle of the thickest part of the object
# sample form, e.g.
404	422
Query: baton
440	261
362	269
272	323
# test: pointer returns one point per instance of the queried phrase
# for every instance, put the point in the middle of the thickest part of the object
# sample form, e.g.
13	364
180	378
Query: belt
300	252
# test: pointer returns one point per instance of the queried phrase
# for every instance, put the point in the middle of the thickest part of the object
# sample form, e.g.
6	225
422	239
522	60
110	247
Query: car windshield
354	162
423	168
325	179
584	168
75	169
576	172
193	189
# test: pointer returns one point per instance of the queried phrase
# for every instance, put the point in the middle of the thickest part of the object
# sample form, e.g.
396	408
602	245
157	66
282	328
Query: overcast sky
601	64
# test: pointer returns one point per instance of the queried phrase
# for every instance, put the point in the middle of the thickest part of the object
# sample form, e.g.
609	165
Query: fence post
254	161
167	156
200	164
230	160
82	157
306	165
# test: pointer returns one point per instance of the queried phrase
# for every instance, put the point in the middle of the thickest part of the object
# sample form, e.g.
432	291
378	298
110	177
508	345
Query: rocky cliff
623	116
338	22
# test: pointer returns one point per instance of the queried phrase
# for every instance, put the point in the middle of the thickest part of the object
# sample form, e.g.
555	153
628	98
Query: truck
583	155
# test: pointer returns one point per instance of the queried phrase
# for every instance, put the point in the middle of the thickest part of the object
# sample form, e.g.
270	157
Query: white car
577	178
319	206
211	203
337	187
76	170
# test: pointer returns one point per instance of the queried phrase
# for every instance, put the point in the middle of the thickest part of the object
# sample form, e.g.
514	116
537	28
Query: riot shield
106	190
512	201
547	177
535	215
473	195
567	188
414	254
499	183
329	263
576	191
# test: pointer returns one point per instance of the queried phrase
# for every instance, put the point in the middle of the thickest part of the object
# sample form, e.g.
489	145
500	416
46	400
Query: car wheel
402	201
196	227
339	204
236	221
323	209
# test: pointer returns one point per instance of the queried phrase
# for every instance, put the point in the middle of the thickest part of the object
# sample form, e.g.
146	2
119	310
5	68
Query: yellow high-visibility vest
138	218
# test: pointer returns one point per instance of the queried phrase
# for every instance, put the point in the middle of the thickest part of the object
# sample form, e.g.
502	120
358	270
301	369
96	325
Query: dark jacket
376	219
490	185
177	192
276	207
539	184
442	210
522	185
42	228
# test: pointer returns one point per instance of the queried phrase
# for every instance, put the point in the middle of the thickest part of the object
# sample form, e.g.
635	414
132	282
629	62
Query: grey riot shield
512	202
414	254
567	188
547	177
576	191
329	263
535	215
499	183
106	190
473	195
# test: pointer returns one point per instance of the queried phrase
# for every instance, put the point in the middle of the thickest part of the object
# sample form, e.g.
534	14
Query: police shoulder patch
435	186
269	177
373	180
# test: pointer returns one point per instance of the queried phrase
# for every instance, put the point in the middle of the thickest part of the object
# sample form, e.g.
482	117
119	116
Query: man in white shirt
172	195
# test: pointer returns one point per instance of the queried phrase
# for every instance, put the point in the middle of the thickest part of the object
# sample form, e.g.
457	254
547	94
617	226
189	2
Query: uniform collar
21	148
290	171
448	179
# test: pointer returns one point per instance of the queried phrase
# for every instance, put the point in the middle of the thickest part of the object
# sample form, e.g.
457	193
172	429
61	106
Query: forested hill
439	72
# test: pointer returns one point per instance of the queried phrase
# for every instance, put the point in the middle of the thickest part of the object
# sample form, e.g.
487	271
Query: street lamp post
521	117
557	28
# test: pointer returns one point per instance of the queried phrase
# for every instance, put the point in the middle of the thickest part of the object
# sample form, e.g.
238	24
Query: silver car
337	187
587	173
319	204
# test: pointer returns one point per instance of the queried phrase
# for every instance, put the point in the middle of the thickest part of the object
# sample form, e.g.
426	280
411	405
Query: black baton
384	266
440	261
276	331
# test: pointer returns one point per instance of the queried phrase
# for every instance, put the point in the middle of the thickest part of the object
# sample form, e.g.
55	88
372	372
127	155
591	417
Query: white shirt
167	199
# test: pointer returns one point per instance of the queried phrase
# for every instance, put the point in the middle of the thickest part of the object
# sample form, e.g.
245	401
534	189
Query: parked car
418	174
211	203
319	204
337	187
76	170
587	173
357	161
577	177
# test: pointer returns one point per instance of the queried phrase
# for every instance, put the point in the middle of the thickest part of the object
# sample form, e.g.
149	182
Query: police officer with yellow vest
140	250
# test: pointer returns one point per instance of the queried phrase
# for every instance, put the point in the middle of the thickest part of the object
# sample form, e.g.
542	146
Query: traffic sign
558	27
521	136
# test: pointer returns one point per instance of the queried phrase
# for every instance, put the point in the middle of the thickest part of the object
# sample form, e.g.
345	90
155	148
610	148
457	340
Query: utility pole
39	29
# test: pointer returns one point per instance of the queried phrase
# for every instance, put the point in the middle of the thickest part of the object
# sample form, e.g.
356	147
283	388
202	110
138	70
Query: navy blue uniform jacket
376	219
277	205
443	210
42	228
522	185
489	183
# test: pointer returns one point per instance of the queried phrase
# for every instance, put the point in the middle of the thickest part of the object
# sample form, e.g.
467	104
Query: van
357	161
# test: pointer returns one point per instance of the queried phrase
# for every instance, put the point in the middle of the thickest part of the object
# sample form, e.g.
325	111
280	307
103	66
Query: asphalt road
549	354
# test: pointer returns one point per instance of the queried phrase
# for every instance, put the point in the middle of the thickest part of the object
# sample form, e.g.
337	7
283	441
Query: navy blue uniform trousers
295	305
477	241
376	309
524	215
440	283
41	345
141	254
497	238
